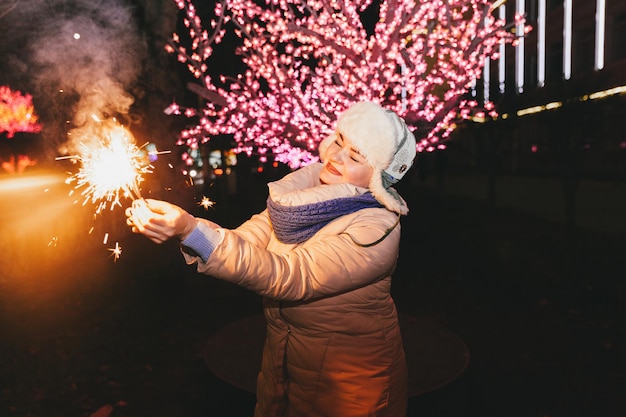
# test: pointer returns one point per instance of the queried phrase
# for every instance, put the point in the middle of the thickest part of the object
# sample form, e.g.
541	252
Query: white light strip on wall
600	28
502	60
519	59
541	43
486	79
567	39
486	74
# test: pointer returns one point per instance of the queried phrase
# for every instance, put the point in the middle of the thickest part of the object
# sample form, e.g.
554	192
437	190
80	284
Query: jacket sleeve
327	264
257	230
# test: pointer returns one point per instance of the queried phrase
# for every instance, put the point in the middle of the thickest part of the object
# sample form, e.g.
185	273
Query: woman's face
344	164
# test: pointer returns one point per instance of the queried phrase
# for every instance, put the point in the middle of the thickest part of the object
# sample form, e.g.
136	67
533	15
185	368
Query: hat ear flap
388	197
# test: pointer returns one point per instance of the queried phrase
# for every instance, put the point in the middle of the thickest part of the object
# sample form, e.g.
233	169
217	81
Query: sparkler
112	166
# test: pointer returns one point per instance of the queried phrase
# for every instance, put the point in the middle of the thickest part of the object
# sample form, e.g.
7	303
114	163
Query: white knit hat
387	144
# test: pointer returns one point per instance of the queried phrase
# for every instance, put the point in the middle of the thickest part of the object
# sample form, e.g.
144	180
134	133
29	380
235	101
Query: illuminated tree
307	61
17	113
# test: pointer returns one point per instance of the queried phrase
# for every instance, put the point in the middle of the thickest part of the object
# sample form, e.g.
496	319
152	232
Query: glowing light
497	3
606	93
116	251
567	39
553	105
486	79
18	165
519	49
502	53
112	166
298	75
541	43
600	28
17	113
556	104
206	202
537	109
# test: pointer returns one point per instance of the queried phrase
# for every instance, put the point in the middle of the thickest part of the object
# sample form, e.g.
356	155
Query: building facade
560	93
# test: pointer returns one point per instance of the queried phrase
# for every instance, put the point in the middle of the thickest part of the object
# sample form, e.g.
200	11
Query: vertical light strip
520	9
486	79
600	28
567	39
502	60
541	43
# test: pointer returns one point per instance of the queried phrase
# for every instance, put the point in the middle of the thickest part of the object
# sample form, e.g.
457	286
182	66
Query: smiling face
344	164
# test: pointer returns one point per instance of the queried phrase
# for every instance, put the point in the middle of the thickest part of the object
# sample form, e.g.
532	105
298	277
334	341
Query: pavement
539	305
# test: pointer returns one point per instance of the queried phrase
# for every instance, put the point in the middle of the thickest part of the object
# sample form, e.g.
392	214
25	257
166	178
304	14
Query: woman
322	255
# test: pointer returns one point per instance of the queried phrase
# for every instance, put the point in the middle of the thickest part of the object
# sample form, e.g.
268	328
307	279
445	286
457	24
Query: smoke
82	58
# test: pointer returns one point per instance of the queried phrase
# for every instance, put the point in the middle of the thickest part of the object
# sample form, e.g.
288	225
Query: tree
307	61
17	113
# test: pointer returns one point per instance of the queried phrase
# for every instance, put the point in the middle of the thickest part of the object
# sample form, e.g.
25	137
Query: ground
539	306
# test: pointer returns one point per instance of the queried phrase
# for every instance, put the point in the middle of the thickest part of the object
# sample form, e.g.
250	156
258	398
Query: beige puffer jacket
333	345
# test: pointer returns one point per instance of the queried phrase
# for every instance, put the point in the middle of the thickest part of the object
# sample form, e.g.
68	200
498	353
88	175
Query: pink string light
307	61
17	112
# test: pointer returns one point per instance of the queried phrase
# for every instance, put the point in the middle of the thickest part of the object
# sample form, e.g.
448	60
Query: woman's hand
159	221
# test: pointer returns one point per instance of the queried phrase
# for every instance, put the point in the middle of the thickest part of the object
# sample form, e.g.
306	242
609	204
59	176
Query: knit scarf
296	224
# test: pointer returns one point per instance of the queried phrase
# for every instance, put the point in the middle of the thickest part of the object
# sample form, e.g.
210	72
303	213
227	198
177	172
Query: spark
112	166
116	251
206	202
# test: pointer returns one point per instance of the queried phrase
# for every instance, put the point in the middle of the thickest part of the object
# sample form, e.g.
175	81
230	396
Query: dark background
519	254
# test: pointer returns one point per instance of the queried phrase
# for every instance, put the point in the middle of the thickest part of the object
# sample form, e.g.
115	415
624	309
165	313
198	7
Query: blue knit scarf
296	224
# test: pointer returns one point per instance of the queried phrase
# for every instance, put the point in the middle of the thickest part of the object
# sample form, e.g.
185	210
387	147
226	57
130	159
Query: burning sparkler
112	167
